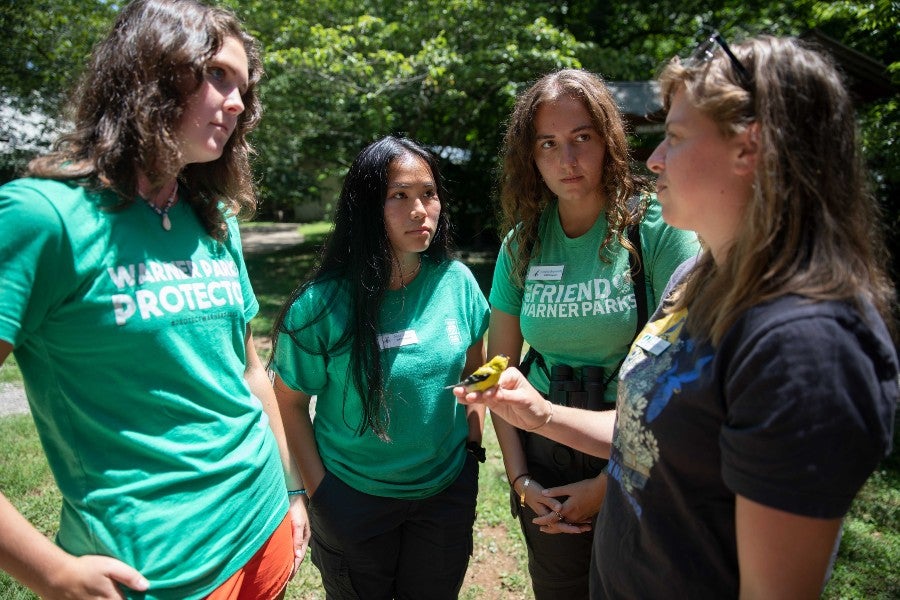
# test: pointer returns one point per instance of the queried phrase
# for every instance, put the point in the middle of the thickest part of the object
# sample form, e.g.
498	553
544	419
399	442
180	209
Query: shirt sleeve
33	260
808	413
251	304
302	351
505	295
664	248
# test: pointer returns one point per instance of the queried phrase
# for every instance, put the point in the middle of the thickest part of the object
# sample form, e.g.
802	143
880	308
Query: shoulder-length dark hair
812	227
524	195
130	99
358	256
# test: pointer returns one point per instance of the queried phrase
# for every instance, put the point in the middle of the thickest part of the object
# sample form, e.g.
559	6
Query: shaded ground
259	239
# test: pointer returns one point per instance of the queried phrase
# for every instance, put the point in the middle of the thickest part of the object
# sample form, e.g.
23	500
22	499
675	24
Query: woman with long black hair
385	324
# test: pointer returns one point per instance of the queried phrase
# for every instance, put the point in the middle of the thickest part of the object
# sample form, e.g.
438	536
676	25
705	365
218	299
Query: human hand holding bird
485	376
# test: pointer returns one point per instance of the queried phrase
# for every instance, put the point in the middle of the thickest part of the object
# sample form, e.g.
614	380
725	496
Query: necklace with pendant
406	279
164	211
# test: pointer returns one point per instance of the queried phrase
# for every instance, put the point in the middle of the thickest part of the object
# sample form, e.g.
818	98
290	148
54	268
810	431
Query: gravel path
269	238
12	400
255	240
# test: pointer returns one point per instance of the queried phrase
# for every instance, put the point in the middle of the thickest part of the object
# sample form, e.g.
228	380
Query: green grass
315	232
866	566
497	568
9	371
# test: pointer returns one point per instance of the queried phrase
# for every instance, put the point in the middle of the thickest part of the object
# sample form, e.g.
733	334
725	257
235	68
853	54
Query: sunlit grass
25	479
9	371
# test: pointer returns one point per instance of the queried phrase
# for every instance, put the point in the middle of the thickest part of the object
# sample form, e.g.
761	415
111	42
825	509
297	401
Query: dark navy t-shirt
793	410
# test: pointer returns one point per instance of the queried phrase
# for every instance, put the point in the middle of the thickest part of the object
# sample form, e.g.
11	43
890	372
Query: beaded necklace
164	211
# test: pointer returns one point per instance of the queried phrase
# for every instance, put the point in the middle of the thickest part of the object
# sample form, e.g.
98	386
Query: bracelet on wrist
525	485
549	416
521	494
513	482
300	492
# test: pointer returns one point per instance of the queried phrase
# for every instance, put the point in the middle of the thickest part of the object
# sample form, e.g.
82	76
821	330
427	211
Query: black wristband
476	450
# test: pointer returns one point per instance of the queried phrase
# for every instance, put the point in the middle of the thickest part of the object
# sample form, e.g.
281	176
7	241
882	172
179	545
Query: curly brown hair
524	195
129	102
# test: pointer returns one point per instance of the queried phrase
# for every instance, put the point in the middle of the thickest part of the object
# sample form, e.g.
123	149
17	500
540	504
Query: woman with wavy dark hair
126	303
384	325
585	254
762	393
130	104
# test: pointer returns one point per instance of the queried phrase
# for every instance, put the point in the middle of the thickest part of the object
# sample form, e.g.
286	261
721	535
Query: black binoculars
586	391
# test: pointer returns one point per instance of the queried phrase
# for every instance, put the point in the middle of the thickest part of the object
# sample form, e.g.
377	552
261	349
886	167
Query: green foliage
869	27
880	123
343	72
46	44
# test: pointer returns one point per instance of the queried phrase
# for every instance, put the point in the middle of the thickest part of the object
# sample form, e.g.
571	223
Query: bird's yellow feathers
485	376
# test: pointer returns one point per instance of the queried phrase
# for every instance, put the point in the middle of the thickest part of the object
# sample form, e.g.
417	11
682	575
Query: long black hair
358	256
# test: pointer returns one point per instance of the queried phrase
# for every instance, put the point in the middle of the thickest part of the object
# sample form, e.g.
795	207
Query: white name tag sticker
652	344
545	272
407	337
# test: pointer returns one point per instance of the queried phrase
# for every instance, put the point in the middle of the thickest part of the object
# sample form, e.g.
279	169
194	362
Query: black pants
371	548
559	564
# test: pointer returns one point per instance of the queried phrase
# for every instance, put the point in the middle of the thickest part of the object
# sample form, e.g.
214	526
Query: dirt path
260	239
12	400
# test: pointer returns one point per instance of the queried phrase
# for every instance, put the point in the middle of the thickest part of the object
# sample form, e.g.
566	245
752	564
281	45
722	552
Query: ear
747	150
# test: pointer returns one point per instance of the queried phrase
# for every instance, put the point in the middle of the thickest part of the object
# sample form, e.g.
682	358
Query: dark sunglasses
707	50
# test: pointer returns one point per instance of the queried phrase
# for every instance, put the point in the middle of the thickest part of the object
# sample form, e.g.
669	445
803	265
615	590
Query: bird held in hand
485	376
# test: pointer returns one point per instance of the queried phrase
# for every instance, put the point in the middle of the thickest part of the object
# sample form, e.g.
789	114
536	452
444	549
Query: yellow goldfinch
485	376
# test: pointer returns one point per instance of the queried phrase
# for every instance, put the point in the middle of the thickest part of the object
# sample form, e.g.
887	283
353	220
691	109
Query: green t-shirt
130	340
425	331
577	309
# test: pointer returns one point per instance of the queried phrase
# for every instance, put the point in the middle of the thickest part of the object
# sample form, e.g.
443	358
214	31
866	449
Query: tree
625	40
443	72
47	43
343	72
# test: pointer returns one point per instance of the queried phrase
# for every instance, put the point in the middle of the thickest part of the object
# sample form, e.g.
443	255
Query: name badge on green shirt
398	338
545	272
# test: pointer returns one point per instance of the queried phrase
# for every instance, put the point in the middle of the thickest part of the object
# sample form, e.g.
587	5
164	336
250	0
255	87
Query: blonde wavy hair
812	225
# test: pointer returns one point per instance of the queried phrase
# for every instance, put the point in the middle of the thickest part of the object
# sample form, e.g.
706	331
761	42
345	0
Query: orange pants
265	576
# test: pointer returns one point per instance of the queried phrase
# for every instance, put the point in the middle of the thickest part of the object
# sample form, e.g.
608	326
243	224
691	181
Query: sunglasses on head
707	50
